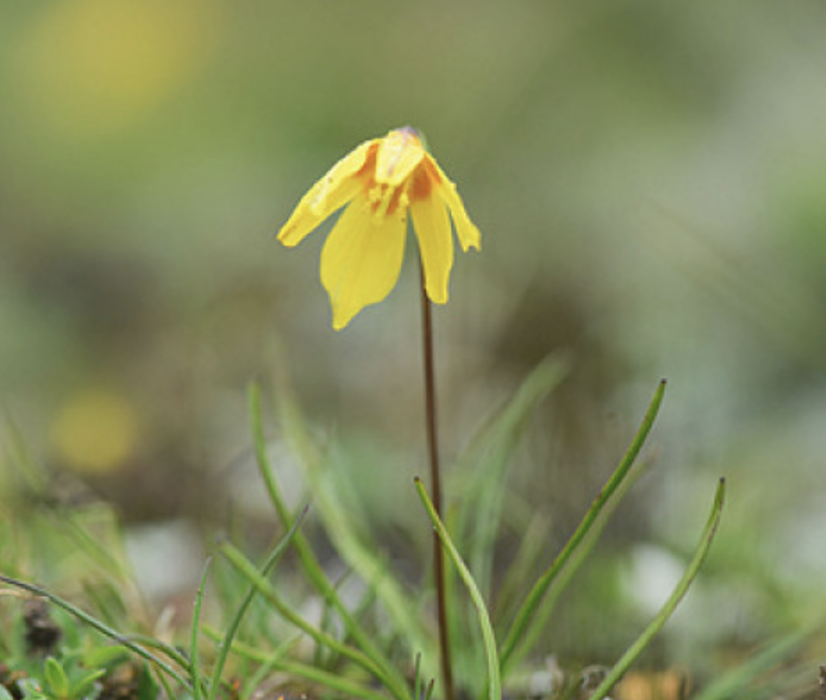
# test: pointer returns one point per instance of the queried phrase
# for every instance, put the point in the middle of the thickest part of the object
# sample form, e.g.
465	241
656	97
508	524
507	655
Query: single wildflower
379	182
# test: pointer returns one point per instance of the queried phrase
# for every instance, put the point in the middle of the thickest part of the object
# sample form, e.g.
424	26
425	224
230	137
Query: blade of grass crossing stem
674	599
360	557
194	658
96	624
526	614
489	454
264	588
309	563
232	629
494	683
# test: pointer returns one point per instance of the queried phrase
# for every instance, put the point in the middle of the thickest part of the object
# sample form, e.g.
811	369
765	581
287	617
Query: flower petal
432	225
328	195
466	231
399	154
361	260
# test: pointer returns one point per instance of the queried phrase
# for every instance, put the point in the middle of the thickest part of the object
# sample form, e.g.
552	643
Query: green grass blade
526	614
726	686
488	456
578	558
194	658
265	669
232	629
168	650
264	588
361	558
488	639
673	601
311	567
96	624
297	669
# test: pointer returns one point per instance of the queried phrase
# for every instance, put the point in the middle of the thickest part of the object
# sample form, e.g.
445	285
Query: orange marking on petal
422	184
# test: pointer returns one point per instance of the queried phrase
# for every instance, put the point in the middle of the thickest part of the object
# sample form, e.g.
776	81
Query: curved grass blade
488	455
264	588
560	583
526	614
176	655
235	623
265	669
194	660
309	563
488	639
334	681
674	599
361	558
738	679
99	626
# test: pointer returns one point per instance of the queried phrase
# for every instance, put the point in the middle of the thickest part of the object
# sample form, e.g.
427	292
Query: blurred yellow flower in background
95	432
87	66
380	182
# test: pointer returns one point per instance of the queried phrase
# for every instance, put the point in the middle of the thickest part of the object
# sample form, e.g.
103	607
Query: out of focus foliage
649	179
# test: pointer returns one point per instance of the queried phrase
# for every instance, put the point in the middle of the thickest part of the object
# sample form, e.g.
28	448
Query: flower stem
436	487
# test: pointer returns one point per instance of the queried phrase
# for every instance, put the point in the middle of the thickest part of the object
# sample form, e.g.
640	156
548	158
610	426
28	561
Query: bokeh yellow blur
95	432
88	67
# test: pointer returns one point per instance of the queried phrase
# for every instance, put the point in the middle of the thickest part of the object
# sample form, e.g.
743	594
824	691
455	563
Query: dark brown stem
436	486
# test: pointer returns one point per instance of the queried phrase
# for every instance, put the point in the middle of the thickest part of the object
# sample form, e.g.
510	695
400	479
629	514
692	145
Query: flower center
385	200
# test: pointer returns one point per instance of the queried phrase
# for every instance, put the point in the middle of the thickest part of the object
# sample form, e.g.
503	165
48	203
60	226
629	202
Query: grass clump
380	646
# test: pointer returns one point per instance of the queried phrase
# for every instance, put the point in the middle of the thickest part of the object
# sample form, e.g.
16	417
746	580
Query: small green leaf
81	686
56	678
97	625
147	685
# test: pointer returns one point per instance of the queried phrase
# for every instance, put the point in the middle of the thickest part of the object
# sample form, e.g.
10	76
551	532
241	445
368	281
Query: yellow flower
379	182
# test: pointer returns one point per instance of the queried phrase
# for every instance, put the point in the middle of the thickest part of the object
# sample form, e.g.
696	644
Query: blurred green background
650	183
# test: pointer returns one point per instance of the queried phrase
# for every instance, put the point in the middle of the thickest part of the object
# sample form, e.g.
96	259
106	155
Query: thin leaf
737	679
526	614
361	558
264	588
489	454
235	623
488	639
673	601
309	563
580	555
334	681
194	658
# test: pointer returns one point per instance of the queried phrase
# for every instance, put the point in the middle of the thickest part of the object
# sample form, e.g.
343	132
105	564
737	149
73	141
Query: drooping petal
432	225
466	231
361	260
340	185
399	154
